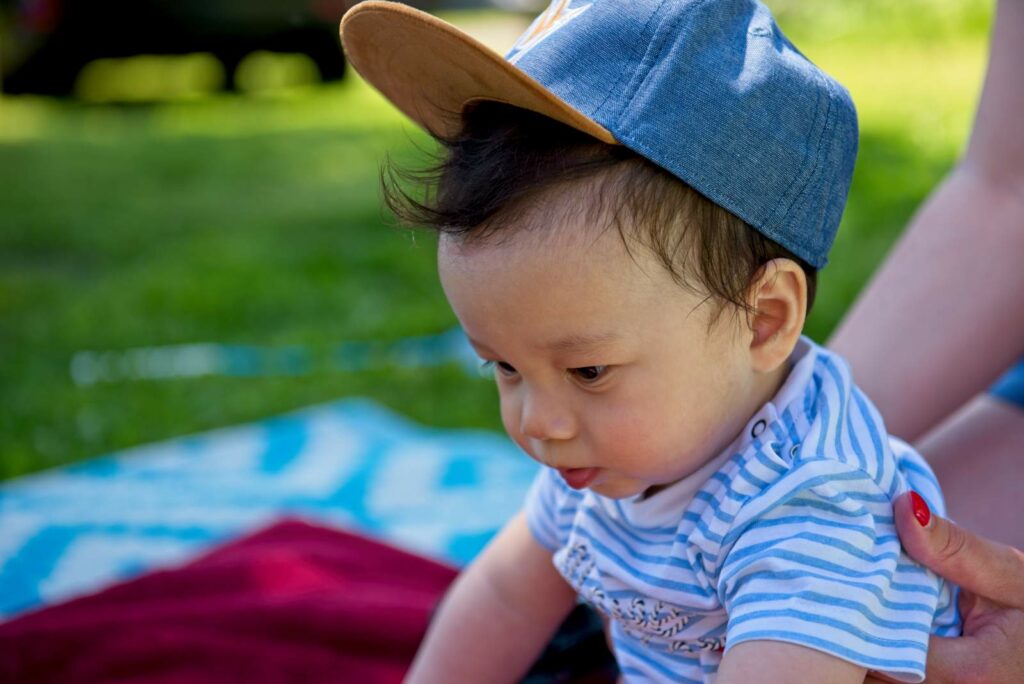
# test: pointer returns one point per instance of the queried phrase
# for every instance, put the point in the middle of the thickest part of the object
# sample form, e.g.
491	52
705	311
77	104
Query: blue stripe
774	576
646	578
714	504
915	588
914	467
802	487
876	438
833	600
751	478
770	465
805	560
868	532
880	497
841	392
817	619
790	423
669	560
774	544
862	456
829	506
703	527
811	402
823	428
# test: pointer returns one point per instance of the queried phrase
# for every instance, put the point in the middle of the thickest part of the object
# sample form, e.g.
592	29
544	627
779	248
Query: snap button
758	428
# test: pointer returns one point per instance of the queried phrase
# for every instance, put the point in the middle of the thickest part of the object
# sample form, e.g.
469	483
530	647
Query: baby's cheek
629	433
510	419
650	441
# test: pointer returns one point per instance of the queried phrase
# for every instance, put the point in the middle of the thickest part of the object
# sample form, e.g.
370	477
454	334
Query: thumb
989	569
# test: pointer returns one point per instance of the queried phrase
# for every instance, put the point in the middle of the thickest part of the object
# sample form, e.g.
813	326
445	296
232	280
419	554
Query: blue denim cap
710	90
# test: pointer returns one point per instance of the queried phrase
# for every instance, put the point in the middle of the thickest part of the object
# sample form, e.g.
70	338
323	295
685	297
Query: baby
632	209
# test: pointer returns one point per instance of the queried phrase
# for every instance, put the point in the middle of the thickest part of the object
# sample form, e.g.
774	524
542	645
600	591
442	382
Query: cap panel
816	212
735	111
589	58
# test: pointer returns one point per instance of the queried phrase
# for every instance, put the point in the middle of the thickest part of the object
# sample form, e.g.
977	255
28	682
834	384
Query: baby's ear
778	300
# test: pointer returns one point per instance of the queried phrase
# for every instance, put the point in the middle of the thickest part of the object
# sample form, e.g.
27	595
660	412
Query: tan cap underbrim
430	70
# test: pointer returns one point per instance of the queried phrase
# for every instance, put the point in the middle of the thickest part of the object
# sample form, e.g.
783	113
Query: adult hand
991	580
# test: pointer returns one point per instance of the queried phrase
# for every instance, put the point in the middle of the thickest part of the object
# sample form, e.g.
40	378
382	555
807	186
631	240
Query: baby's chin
613	487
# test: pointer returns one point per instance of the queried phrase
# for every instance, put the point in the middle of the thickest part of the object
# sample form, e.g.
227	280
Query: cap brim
430	70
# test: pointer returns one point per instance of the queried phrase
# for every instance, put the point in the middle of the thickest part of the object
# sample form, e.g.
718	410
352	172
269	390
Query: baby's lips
578	478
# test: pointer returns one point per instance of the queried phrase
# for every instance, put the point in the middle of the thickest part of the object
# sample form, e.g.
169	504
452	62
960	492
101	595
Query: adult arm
941	318
498	616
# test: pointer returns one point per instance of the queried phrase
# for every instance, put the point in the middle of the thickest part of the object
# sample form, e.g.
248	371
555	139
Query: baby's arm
768	662
498	615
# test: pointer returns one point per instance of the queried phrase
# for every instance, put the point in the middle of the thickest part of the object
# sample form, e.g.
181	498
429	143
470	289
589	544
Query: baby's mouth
578	478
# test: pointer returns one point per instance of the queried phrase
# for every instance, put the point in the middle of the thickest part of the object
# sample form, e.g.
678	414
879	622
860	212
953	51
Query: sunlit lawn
257	221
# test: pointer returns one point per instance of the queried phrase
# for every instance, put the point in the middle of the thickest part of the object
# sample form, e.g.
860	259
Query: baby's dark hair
497	174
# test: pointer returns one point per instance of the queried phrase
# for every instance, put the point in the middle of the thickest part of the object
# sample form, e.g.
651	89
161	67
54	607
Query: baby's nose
544	418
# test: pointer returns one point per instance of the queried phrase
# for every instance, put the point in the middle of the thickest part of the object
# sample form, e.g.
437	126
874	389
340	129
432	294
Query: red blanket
292	603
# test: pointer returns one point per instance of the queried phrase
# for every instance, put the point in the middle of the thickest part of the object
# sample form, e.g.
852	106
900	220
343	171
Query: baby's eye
589	373
506	370
503	368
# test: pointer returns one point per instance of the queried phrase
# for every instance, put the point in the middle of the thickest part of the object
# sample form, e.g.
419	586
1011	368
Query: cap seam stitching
622	74
814	174
785	206
791	190
651	57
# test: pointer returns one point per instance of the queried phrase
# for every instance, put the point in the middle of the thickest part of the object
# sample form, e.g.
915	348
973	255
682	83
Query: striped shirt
787	535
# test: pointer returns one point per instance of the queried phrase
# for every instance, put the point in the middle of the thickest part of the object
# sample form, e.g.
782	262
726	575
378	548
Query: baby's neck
764	389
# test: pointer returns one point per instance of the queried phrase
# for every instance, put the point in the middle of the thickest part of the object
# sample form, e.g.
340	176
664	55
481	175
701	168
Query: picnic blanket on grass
351	464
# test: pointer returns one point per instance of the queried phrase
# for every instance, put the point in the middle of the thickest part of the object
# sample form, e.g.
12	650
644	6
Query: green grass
258	221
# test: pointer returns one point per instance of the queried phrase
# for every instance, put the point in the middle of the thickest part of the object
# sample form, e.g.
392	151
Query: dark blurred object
578	653
44	44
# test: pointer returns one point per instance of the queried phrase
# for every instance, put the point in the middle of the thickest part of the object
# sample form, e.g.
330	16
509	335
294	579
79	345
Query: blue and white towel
352	463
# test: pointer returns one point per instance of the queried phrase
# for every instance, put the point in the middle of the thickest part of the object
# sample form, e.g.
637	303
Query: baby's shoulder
836	427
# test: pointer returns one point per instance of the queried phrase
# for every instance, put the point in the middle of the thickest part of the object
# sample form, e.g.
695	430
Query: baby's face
606	368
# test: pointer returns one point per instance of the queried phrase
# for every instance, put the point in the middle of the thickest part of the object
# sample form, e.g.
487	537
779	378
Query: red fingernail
921	511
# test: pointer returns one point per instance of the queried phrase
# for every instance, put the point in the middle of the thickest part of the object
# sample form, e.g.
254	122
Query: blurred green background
256	220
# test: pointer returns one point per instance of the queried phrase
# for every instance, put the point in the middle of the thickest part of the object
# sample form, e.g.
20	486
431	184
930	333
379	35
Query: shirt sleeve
814	560
550	507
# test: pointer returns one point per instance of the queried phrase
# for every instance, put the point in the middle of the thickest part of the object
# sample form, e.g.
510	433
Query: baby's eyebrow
575	342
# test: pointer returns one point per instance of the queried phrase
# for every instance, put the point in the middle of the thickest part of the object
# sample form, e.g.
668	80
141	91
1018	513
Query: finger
993	570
